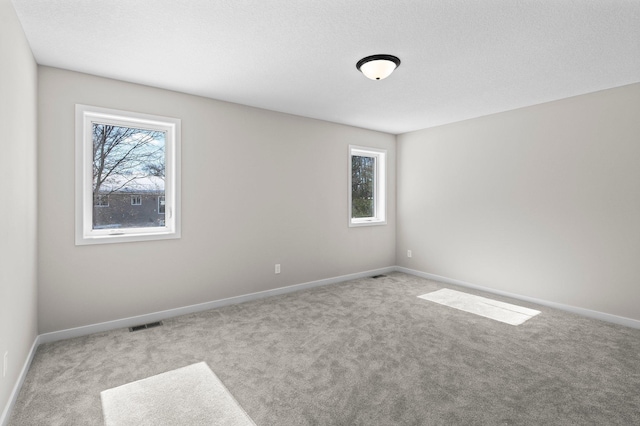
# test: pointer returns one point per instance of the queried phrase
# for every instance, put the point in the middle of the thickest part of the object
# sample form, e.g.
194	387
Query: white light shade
377	70
378	67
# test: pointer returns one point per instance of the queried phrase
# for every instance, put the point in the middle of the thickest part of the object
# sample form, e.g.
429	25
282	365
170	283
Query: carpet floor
364	352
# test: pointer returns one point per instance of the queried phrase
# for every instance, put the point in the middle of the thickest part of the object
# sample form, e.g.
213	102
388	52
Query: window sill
366	222
124	237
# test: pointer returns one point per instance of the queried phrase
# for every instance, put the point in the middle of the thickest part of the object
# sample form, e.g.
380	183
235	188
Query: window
161	205
122	158
367	186
100	201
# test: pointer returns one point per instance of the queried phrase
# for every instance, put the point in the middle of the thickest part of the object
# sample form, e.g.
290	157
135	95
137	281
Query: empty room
320	212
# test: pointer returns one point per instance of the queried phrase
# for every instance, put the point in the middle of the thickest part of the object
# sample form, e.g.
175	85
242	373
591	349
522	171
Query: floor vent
145	326
378	276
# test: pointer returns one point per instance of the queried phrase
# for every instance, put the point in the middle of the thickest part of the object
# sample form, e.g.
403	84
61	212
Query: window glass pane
127	161
363	171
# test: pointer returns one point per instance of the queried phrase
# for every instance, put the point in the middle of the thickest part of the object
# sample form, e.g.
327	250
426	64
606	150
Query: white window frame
85	117
136	198
380	186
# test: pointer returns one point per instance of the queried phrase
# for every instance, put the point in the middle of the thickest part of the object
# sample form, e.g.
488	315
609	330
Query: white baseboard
170	313
158	316
628	322
13	397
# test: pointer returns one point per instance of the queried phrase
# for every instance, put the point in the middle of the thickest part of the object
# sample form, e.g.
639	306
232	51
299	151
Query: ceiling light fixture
378	67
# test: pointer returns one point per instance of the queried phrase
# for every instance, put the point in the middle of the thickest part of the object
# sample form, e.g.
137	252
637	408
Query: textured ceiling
460	58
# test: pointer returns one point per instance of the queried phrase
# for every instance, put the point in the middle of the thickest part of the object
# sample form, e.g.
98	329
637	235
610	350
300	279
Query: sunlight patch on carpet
493	309
191	395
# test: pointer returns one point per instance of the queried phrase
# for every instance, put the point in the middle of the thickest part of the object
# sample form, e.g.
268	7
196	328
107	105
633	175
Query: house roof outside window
132	184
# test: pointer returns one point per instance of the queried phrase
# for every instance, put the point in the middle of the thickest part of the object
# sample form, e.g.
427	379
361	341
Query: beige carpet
191	395
367	352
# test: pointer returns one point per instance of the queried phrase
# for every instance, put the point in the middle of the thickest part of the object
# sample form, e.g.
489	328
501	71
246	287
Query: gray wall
18	109
541	201
258	188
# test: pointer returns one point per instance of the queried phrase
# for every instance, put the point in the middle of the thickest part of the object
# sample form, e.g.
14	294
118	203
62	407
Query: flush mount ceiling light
378	67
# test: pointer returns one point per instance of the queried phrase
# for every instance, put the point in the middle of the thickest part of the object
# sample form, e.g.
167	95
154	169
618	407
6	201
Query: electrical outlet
277	268
5	364
409	254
